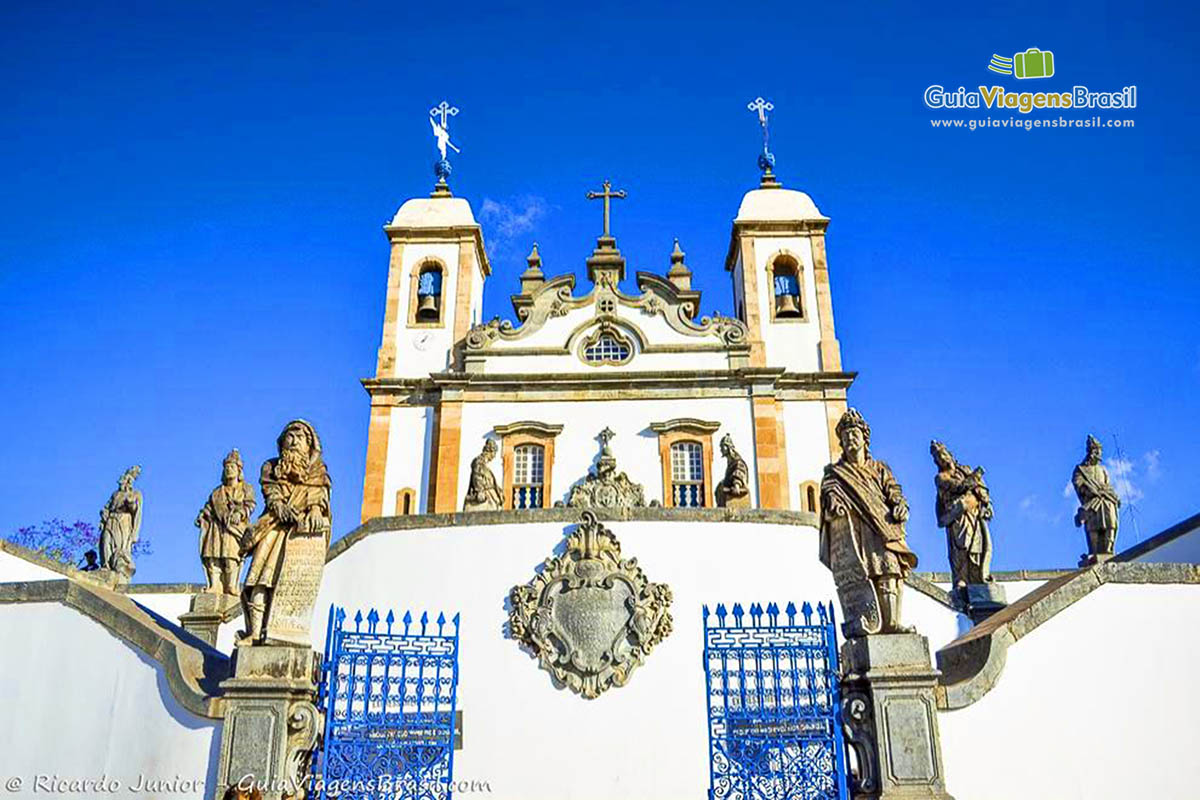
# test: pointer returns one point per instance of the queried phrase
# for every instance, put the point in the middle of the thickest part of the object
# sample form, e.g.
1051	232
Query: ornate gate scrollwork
774	711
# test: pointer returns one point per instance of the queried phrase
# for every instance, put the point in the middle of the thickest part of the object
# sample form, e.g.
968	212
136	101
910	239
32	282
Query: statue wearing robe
863	541
736	483
223	523
964	507
483	493
120	522
296	494
1098	504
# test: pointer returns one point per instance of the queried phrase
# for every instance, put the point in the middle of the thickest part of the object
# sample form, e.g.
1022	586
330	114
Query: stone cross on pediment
608	195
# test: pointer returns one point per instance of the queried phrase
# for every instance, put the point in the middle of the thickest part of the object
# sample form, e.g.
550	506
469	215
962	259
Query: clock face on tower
421	340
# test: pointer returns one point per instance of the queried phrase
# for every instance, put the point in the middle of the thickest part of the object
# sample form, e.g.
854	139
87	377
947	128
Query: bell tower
776	261
434	295
780	279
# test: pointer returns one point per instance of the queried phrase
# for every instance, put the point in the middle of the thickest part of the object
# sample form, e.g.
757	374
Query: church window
606	346
606	349
429	293
607	305
810	497
785	279
529	462
406	502
687	475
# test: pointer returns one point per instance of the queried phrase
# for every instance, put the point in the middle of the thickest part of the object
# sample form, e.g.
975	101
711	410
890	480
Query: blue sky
191	248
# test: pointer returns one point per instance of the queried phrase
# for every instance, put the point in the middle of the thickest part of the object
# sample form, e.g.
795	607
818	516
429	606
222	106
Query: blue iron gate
774	720
388	697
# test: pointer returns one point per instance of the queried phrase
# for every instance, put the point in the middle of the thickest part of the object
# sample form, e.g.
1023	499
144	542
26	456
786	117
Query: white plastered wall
530	740
433	352
13	569
1183	549
1098	702
635	445
794	345
807	436
79	703
410	431
558	331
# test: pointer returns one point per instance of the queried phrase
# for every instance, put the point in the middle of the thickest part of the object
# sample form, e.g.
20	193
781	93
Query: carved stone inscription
290	618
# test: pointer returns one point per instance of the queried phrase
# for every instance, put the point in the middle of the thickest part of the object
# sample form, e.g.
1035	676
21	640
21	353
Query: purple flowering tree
66	543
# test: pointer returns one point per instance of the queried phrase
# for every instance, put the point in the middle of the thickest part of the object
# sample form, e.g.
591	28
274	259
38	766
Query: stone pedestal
206	613
271	722
983	600
108	578
891	718
724	501
1091	559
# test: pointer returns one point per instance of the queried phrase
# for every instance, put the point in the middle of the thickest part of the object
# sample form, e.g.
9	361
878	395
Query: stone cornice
688	424
805	227
471	519
692	382
528	426
450	234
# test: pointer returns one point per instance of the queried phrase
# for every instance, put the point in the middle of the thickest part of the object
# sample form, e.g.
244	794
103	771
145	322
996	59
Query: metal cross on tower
766	161
441	130
762	107
608	195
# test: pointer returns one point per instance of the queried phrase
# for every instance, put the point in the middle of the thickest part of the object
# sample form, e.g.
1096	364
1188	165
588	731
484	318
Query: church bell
785	306
427	307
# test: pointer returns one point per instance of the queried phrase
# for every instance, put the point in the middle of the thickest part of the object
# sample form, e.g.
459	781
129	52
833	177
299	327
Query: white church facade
669	383
510	462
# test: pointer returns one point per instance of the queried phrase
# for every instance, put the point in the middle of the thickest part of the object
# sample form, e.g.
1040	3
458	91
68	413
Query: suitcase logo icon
1033	63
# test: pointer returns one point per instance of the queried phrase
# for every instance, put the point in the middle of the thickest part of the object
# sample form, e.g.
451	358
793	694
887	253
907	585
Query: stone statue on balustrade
483	492
863	540
604	486
120	522
224	522
288	542
1098	505
964	507
734	489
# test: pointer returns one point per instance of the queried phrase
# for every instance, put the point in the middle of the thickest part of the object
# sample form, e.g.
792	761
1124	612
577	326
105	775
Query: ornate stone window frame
515	434
685	429
606	328
775	258
413	299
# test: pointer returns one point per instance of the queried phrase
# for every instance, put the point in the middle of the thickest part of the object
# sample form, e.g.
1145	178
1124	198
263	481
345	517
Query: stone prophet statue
483	493
964	507
288	541
223	523
120	521
1098	504
734	488
863	541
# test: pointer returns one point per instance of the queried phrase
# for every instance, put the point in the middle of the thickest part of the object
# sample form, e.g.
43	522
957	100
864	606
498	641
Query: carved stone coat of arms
590	617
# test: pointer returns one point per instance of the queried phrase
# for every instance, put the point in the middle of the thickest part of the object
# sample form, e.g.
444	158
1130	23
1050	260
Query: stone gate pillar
890	715
271	721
